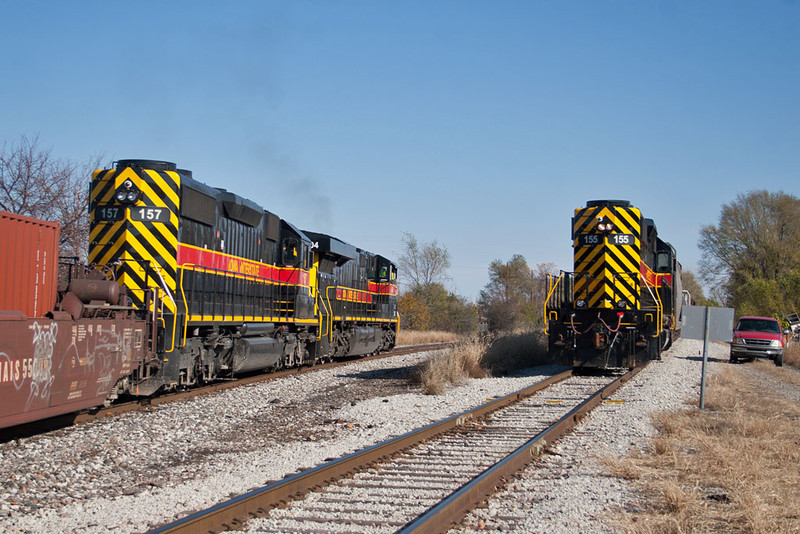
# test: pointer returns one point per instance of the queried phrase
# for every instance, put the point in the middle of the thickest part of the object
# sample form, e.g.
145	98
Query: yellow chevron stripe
633	219
137	246
169	189
145	232
112	251
623	263
104	228
127	174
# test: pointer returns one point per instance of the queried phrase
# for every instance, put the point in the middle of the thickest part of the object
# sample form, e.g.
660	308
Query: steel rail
450	511
233	513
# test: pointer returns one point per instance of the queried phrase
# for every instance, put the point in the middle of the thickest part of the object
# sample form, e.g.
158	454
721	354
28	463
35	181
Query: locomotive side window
662	262
290	251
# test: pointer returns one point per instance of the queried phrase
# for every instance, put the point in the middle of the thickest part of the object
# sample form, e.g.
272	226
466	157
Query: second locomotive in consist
621	305
231	287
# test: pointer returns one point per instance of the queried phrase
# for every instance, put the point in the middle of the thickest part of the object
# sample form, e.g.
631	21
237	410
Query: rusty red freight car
28	264
58	358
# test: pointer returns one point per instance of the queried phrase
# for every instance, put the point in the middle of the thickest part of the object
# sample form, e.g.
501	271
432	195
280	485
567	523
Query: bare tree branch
35	183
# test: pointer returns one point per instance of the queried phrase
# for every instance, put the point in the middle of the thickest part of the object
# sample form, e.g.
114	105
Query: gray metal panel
720	323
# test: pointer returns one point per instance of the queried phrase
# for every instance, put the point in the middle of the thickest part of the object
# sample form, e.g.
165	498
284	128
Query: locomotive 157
235	288
621	305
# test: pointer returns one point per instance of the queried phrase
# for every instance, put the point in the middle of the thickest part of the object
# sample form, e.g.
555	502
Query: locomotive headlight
127	193
580	303
621	304
604	225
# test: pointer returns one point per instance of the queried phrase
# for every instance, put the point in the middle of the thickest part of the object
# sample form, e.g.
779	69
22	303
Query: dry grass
730	468
453	367
480	357
421	337
791	355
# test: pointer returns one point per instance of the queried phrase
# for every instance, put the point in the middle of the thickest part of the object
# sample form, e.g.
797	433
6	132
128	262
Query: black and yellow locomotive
621	305
231	287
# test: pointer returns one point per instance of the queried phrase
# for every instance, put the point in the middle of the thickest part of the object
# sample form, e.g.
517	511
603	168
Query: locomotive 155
621	305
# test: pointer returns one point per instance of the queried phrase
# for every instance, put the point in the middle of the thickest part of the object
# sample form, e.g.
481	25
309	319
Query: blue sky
480	125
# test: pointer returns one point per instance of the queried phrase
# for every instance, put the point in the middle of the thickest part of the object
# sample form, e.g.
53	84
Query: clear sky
480	125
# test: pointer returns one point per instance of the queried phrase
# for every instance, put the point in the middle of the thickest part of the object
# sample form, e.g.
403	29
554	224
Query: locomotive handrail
659	306
549	295
329	309
185	305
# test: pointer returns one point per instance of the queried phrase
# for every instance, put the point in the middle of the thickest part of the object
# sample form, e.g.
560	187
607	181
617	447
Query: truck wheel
779	360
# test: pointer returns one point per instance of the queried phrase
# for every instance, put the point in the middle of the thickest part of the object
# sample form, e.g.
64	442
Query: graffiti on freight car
44	340
110	351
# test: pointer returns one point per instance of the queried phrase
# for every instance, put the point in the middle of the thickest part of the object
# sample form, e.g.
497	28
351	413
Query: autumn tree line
750	261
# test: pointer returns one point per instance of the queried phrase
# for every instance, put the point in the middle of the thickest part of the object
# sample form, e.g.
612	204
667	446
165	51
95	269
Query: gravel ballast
130	473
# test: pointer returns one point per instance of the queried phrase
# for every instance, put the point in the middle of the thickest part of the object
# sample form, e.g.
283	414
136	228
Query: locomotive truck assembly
188	284
621	305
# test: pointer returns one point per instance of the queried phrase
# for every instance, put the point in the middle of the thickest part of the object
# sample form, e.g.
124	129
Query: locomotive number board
611	239
147	214
109	213
143	214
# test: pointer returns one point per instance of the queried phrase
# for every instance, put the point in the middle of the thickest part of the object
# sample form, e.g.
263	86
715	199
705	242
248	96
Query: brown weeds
732	467
791	355
421	337
451	367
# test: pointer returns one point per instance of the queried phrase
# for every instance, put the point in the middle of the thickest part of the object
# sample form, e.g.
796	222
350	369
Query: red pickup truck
757	337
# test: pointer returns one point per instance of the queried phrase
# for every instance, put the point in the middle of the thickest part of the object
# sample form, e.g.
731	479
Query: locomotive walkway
423	481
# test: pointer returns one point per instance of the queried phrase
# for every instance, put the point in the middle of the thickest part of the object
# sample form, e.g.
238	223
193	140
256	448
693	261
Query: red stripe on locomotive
188	255
653	278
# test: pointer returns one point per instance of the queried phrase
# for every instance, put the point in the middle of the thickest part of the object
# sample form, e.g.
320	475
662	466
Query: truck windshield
758	325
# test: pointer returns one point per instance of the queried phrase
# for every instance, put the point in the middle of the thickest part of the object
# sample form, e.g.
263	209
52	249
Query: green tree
751	257
515	294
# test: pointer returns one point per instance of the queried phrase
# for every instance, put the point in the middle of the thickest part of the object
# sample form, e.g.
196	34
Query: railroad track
62	421
420	482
